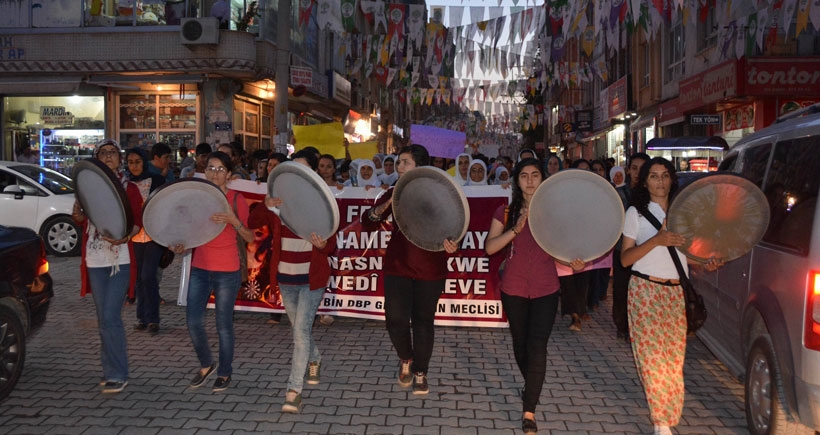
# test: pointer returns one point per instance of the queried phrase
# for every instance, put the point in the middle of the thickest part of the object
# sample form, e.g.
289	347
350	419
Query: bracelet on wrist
514	231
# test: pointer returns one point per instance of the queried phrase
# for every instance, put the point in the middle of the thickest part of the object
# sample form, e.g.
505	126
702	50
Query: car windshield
54	181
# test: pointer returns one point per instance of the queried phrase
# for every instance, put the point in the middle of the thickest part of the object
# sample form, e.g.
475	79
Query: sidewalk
591	386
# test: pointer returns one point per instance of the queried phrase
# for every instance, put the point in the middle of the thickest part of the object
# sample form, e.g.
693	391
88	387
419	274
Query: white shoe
663	430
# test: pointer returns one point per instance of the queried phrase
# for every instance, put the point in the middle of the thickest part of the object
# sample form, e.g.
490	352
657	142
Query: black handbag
166	259
695	307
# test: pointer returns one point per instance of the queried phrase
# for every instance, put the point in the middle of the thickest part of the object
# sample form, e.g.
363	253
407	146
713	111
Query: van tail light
812	330
42	266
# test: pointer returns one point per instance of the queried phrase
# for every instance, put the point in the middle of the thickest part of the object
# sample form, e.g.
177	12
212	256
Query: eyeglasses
216	170
108	153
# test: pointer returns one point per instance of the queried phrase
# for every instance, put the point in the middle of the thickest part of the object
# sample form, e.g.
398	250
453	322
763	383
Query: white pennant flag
762	26
329	15
788	12
456	15
814	15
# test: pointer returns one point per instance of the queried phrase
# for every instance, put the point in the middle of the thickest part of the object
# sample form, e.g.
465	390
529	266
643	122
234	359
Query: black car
26	289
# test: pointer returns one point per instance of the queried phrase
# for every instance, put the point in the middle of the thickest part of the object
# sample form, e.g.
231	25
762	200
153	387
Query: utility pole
282	76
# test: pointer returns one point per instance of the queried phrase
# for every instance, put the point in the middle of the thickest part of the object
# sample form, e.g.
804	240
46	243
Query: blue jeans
301	304
225	286
109	294
147	288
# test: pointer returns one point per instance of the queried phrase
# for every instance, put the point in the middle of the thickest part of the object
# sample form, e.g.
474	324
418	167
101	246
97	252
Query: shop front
615	103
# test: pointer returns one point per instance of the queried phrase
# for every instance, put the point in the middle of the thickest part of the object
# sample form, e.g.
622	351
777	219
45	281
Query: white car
41	199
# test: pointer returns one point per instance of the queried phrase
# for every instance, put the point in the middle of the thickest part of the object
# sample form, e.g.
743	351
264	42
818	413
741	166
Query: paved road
591	385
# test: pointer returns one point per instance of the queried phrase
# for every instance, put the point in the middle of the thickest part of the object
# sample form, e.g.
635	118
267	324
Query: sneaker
293	401
114	386
200	377
663	430
420	383
528	426
326	320
140	327
221	383
405	374
313	373
153	328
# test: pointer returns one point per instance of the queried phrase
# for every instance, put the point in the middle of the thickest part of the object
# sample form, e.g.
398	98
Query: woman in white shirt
657	317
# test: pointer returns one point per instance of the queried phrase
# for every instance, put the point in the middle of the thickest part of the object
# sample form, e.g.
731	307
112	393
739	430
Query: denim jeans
147	288
225	286
531	322
109	292
409	301
301	304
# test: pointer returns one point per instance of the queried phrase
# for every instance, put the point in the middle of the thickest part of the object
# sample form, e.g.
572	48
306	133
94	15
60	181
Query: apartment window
707	31
675	52
645	76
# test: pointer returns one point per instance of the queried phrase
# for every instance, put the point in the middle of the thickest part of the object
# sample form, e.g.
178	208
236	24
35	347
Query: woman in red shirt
529	284
215	267
413	281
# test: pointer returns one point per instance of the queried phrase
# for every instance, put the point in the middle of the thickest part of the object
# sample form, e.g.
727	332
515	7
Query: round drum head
308	206
722	216
576	214
430	207
180	213
103	198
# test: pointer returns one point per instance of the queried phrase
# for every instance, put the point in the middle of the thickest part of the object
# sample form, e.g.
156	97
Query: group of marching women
414	280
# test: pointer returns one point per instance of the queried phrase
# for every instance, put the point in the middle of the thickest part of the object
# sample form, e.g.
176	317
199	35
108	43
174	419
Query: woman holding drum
414	280
215	267
529	284
657	321
148	253
108	268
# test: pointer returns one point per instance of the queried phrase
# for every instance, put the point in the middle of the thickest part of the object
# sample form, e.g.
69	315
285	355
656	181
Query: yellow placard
363	150
328	138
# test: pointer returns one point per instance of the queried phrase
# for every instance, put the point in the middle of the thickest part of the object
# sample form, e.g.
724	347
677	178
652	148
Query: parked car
41	199
26	290
764	308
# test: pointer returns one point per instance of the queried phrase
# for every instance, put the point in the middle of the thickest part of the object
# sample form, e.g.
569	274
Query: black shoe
222	383
153	328
529	426
200	378
140	327
522	393
420	383
114	386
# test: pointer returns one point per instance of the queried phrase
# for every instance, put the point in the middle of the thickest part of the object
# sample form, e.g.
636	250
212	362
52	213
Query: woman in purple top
529	284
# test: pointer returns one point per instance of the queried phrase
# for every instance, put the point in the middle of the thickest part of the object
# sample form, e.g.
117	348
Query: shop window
707	31
109	13
253	124
148	118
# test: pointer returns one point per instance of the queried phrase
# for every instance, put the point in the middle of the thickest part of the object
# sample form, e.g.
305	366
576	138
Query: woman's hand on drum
522	221
713	264
450	246
272	202
317	241
179	248
668	238
227	218
577	265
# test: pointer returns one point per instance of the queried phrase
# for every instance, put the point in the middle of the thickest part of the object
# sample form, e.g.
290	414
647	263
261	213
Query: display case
60	149
148	118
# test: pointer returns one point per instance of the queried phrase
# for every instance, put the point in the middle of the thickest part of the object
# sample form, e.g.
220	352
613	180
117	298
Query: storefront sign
710	86
739	117
300	76
779	76
8	51
339	88
583	120
704	119
56	115
617	98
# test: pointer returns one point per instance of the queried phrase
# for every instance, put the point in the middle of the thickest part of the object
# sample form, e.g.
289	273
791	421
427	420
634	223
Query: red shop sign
779	76
710	86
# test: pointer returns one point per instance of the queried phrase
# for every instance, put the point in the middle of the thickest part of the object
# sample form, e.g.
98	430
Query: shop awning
39	85
688	142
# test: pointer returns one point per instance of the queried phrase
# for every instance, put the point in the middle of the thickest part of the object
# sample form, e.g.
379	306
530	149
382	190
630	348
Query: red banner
356	287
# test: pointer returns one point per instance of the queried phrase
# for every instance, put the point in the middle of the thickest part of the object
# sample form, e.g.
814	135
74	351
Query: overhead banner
356	288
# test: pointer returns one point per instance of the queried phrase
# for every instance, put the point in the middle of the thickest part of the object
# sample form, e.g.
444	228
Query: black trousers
574	291
531	322
410	304
620	292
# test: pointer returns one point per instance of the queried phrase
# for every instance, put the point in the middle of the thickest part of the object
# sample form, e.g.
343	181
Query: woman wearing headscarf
147	252
527	153
529	285
502	175
107	270
478	173
462	174
390	175
617	176
366	176
215	268
378	161
553	165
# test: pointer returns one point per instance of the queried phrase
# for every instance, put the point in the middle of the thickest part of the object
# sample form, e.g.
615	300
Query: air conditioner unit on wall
199	30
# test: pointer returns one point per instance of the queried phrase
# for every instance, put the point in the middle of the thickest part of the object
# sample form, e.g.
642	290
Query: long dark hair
514	210
640	194
224	158
417	152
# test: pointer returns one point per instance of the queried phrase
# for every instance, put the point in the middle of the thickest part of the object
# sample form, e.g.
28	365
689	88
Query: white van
764	308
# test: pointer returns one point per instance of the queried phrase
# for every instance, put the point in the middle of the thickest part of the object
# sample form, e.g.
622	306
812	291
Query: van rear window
791	188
